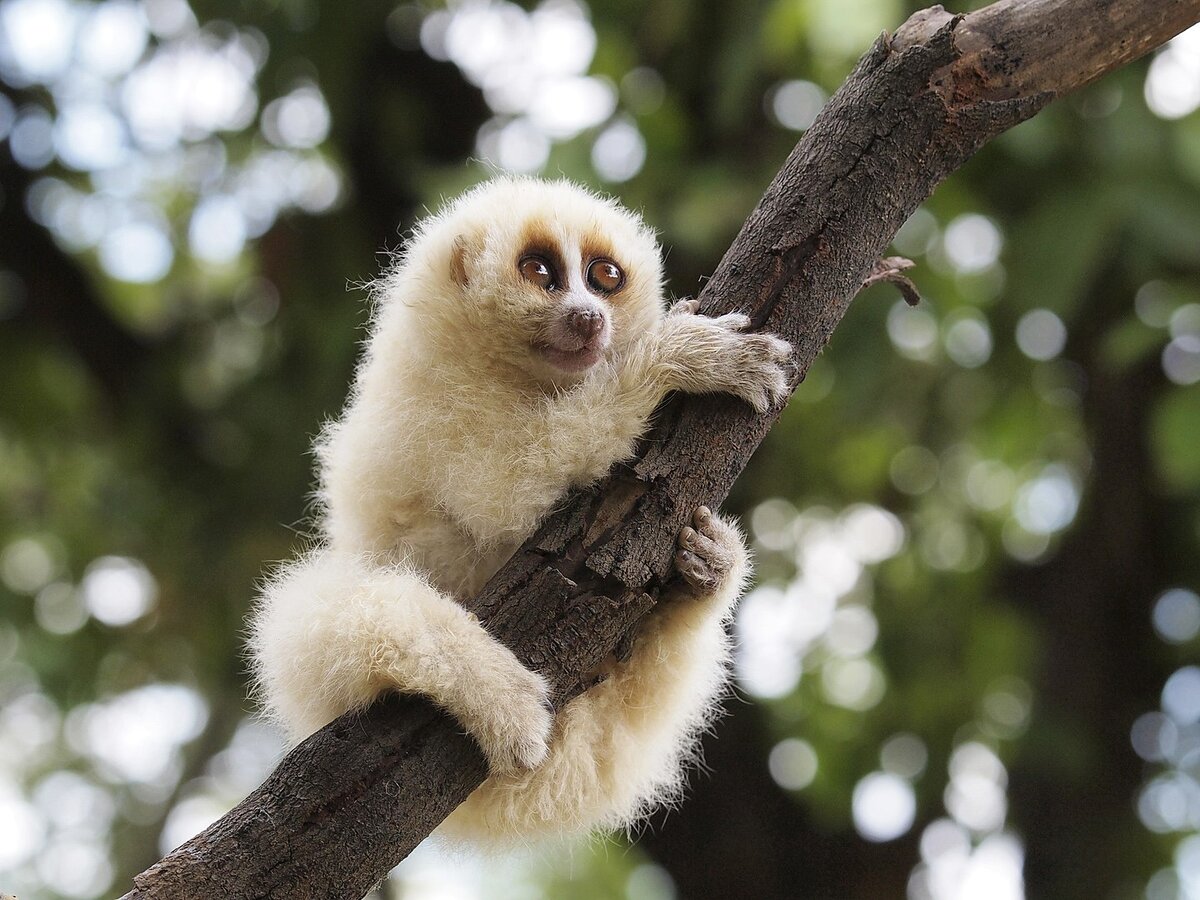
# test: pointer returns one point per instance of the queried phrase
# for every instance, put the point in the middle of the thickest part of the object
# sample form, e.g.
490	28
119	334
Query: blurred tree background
969	669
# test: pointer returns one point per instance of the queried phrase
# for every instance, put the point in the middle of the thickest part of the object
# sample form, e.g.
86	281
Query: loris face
548	277
577	322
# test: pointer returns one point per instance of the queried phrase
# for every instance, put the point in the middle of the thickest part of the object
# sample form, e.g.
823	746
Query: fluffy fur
481	399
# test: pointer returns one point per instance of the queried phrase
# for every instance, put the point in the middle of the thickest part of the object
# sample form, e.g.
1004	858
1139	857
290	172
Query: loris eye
605	276
537	270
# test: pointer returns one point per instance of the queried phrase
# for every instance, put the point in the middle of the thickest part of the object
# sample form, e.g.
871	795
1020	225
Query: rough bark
355	798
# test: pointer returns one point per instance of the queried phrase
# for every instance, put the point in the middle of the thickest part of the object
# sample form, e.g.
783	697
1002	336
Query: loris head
544	278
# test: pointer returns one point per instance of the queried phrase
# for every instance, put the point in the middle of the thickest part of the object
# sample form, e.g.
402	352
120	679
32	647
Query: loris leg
334	630
619	749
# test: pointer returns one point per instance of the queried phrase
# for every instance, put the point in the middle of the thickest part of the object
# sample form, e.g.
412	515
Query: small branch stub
891	269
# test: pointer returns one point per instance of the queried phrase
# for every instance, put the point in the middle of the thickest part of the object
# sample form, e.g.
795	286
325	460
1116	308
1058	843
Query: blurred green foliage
976	525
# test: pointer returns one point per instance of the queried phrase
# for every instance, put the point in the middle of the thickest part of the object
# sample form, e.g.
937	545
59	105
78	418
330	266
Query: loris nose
586	322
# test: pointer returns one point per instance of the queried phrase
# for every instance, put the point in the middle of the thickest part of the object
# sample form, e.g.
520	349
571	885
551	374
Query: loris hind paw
708	553
512	724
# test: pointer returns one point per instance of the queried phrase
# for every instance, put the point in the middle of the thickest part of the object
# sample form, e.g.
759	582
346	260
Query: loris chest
499	478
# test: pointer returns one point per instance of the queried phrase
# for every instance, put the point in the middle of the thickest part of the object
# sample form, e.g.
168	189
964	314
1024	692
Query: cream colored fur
459	437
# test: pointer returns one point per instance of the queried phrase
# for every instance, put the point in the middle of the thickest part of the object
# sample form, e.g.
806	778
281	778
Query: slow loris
517	350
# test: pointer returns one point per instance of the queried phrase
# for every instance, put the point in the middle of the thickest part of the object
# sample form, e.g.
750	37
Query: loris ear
463	254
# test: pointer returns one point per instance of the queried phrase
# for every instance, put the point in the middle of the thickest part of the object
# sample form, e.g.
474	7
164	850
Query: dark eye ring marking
605	276
538	270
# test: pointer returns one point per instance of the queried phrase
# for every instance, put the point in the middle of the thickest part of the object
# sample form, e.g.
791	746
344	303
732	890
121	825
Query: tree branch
355	798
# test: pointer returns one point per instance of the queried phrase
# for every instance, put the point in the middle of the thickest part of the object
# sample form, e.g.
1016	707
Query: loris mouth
576	360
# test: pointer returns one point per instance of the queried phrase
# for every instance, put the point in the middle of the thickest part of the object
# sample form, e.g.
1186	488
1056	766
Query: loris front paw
756	363
708	553
688	306
718	354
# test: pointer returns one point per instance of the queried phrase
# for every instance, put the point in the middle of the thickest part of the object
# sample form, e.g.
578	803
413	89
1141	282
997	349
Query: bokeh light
1041	334
967	338
143	96
1176	615
117	590
972	242
1173	81
884	806
793	764
777	627
794	104
531	67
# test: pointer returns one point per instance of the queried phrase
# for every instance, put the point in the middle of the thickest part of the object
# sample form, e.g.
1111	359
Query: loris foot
707	553
509	714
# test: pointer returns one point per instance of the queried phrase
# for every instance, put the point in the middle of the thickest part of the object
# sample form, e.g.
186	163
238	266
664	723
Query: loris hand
717	354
